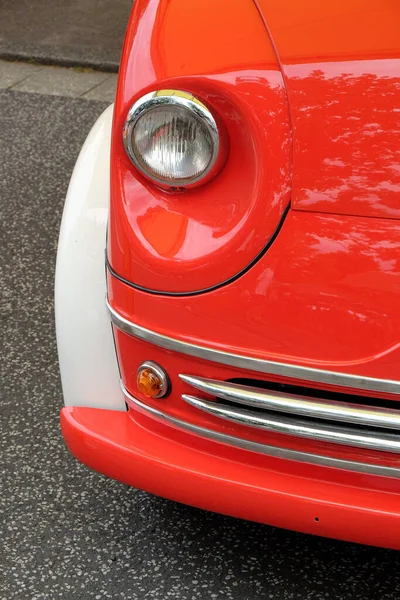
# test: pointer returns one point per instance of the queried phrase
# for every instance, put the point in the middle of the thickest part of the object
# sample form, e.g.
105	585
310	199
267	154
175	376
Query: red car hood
341	66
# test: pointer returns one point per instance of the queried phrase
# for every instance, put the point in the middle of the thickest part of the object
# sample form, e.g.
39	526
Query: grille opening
299	390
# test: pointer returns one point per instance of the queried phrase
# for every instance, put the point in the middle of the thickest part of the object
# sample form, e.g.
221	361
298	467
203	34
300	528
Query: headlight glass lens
172	138
172	144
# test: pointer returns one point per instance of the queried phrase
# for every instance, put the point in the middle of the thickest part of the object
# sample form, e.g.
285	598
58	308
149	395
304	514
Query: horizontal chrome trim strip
345	436
258	365
266	449
296	405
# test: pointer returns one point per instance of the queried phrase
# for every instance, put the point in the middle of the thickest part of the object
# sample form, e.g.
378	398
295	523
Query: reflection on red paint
347	137
164	230
342	70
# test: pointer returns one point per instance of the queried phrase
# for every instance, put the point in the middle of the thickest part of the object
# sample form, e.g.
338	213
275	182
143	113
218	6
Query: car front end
228	272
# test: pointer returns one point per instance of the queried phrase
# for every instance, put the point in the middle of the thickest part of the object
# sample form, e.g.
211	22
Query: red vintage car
235	216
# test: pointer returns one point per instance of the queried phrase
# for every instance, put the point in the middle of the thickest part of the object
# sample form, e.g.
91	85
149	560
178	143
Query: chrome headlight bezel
190	103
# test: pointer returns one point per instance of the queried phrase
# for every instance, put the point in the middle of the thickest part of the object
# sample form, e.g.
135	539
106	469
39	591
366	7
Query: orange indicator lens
152	380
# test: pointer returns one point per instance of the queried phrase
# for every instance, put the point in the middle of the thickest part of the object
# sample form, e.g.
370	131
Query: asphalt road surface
77	32
67	533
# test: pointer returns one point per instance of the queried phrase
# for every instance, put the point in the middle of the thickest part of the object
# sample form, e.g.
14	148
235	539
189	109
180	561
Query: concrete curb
57	56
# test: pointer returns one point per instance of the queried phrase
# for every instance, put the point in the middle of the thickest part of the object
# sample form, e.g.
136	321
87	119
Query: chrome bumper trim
268	450
295	405
258	365
312	429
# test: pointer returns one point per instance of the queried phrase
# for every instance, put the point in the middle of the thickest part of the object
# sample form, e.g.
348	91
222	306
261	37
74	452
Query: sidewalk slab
87	33
104	92
58	81
54	81
13	73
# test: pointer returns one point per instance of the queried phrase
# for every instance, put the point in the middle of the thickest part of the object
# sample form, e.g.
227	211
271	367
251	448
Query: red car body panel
184	242
341	62
310	102
326	294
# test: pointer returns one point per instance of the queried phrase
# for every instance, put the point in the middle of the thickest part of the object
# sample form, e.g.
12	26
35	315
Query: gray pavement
78	32
68	533
58	81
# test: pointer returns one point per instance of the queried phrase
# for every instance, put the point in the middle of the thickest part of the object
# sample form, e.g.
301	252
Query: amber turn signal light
152	380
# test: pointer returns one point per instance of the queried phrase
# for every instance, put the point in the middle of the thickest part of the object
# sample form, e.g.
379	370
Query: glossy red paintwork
341	62
183	467
193	240
325	294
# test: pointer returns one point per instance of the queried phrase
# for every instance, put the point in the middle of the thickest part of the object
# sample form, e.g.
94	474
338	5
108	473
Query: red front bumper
141	452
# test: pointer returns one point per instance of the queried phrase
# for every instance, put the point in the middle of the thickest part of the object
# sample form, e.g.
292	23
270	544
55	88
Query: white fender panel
88	363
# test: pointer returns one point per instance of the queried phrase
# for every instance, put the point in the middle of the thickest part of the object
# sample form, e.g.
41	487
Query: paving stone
55	81
12	72
105	91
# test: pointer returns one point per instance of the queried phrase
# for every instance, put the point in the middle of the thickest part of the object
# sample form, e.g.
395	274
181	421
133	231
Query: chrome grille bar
323	420
300	428
297	405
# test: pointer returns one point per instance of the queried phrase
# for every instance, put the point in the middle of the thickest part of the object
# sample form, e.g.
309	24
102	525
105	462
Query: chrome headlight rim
187	101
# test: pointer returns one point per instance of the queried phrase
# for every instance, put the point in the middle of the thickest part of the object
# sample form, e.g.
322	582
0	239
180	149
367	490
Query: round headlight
173	139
